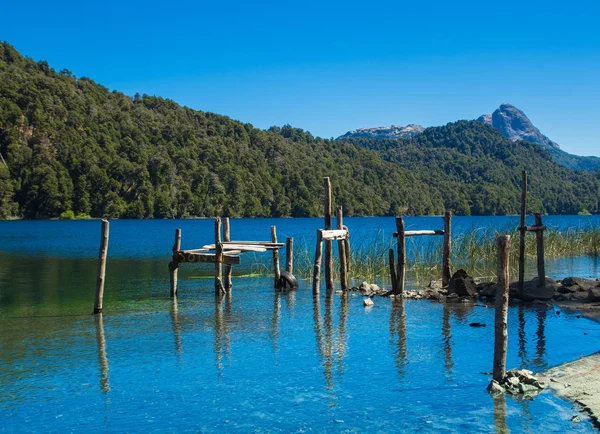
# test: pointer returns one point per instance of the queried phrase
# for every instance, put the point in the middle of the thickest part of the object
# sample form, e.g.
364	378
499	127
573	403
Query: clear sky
329	67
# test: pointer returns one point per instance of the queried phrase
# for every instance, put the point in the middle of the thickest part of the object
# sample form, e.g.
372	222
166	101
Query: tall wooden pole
522	232
228	267
174	264
342	251
317	265
393	276
501	314
219	290
401	255
447	247
101	267
289	255
276	270
539	238
328	243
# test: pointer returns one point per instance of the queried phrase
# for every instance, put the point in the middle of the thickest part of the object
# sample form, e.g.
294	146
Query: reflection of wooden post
289	255
539	238
219	290
328	243
447	248
401	255
276	269
501	314
522	232
393	272
342	251
101	267
174	264
227	237
317	266
102	358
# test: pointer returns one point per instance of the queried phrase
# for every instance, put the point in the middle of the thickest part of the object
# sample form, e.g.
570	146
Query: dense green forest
73	145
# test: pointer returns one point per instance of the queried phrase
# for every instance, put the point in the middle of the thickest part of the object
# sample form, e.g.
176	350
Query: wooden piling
539	238
289	255
174	264
401	255
522	232
219	290
393	276
101	267
447	248
317	265
228	267
501	313
328	243
276	270
342	251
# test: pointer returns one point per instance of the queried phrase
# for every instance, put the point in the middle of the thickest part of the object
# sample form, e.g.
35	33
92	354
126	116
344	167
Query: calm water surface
256	361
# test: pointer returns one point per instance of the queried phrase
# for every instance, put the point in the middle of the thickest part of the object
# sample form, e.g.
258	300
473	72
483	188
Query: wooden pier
227	253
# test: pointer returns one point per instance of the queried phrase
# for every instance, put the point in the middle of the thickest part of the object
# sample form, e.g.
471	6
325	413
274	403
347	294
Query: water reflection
447	342
341	343
522	338
331	346
275	321
500	414
102	358
223	307
398	336
540	360
176	326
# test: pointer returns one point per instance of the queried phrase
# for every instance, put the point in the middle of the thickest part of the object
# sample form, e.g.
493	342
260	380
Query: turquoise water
256	361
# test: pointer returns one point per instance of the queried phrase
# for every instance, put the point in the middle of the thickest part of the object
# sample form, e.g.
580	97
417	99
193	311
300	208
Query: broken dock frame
226	252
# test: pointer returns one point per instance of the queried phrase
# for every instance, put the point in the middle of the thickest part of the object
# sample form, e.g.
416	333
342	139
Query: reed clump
473	250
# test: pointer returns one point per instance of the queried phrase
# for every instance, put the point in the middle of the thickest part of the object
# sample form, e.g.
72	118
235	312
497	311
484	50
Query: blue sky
329	67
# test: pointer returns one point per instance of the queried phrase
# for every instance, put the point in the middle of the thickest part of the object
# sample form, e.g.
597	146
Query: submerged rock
368	302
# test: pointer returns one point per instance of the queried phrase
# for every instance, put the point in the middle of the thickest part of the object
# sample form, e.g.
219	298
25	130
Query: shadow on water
398	336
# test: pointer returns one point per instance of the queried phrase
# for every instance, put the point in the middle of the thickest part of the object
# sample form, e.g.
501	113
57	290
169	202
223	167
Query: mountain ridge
511	122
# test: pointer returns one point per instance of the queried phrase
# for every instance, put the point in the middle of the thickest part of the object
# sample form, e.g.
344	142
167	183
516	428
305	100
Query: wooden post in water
101	267
289	255
522	232
276	270
393	276
328	243
342	251
174	264
219	290
317	265
401	255
501	313
539	238
447	247
228	267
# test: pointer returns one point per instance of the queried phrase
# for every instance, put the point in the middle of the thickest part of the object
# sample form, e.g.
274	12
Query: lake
256	361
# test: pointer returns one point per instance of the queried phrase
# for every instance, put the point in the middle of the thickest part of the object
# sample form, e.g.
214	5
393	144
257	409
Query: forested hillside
71	144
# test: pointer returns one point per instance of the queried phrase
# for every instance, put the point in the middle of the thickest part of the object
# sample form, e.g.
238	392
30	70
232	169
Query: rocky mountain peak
515	125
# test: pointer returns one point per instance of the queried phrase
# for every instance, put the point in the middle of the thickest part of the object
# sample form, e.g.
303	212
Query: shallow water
256	361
